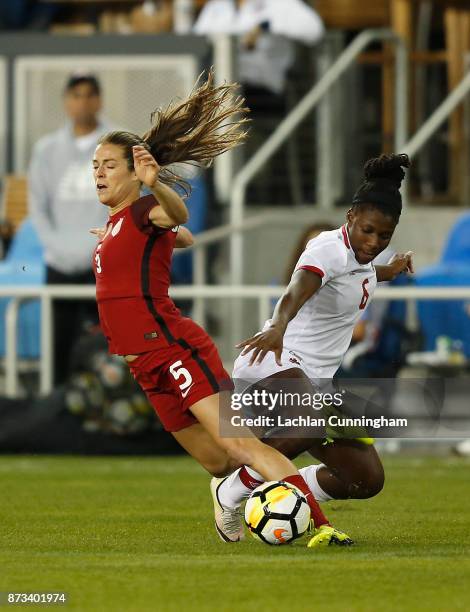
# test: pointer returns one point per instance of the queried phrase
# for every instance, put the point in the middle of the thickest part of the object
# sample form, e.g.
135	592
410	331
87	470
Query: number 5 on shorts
177	372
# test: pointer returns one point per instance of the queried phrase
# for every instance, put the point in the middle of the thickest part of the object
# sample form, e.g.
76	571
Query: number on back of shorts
177	371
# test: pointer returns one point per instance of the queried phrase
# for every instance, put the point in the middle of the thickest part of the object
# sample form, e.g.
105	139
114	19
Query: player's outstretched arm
400	262
172	210
302	286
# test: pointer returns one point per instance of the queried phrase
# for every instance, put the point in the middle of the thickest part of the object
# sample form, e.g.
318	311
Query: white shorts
245	375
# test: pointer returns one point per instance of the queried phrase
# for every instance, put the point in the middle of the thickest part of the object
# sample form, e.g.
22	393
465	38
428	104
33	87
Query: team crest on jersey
117	227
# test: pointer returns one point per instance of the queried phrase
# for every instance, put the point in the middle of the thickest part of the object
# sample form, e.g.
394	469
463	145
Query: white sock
256	476
309	474
233	491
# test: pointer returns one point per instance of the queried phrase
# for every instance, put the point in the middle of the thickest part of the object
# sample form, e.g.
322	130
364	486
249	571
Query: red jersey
132	270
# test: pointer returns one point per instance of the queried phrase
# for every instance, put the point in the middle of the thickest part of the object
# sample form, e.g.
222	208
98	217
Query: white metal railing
238	223
218	234
438	117
263	294
3	115
299	113
225	70
434	122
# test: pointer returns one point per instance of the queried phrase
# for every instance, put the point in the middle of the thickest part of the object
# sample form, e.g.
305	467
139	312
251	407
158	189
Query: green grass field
137	534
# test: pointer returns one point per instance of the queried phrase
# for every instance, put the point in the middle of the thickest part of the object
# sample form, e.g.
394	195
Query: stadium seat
449	318
24	265
15	199
458	243
26	246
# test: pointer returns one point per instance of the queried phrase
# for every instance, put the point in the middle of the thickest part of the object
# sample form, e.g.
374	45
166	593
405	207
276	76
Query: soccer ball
277	513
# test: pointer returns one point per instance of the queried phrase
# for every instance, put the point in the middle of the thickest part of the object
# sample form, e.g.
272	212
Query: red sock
317	515
247	479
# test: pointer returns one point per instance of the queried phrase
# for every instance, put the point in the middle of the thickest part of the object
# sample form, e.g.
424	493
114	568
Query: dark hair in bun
382	181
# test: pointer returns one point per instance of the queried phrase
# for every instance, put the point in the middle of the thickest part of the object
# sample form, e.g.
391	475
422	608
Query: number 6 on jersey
365	295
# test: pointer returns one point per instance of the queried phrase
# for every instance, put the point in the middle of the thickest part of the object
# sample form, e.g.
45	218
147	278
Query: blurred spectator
63	207
266	31
21	14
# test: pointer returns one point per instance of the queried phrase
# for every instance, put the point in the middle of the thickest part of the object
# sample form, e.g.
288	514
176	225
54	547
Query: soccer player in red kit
171	357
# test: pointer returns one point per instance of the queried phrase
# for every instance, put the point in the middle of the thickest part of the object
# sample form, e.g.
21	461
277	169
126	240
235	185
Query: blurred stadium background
127	533
386	75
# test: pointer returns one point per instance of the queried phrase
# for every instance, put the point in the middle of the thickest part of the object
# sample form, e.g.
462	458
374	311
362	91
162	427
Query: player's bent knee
369	485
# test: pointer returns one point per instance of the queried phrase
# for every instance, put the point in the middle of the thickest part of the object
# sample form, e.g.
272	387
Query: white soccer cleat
228	521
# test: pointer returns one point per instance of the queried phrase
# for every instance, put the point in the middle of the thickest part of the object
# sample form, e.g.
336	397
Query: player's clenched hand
261	343
145	166
402	262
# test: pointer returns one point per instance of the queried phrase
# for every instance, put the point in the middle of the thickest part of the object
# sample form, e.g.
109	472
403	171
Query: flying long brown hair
194	131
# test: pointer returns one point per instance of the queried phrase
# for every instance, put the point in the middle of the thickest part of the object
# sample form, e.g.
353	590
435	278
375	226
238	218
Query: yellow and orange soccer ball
277	513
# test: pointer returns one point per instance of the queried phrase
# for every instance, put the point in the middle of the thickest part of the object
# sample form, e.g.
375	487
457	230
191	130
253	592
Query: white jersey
317	338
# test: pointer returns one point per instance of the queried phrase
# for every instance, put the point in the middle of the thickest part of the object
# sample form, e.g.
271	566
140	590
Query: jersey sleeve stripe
345	236
312	269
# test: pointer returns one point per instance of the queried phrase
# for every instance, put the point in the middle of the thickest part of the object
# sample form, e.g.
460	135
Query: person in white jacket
62	206
267	31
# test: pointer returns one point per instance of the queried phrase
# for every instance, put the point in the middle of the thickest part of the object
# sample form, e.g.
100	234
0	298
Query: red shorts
176	377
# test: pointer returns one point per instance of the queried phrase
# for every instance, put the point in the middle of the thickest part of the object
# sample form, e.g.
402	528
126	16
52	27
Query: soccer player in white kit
309	333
